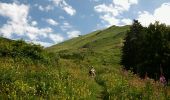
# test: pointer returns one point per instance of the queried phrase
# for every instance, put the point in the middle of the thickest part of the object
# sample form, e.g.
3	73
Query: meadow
61	72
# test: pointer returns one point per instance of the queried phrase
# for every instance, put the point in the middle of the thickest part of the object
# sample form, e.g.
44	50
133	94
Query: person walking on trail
92	72
162	80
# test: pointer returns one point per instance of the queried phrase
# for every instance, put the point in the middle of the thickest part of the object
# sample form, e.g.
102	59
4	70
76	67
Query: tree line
146	50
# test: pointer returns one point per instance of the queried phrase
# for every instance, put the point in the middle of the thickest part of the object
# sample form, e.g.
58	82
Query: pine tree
147	49
130	48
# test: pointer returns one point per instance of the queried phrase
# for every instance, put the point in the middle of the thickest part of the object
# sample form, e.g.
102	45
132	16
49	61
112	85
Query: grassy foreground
64	75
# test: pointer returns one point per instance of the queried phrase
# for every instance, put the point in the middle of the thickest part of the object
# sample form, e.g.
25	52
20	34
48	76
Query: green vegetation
61	71
147	50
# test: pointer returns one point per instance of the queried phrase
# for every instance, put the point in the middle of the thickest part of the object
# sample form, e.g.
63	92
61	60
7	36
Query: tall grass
64	75
25	81
121	85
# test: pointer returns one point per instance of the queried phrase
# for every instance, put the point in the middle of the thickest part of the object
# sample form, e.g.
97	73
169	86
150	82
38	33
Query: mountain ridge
91	38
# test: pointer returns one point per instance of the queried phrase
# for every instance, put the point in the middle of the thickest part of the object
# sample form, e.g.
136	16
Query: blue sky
48	22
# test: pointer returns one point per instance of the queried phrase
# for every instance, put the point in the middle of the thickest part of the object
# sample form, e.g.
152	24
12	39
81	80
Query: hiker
146	76
162	80
92	72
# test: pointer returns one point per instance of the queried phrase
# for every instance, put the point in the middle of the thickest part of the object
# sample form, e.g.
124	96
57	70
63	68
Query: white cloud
45	44
66	26
14	12
49	7
133	1
40	8
160	14
17	15
146	18
74	33
34	23
65	6
110	19
110	12
52	22
103	8
124	4
46	8
18	23
56	38
126	21
57	2
70	30
69	10
34	33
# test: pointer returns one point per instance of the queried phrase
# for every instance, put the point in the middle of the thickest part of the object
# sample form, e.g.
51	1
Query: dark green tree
147	49
132	46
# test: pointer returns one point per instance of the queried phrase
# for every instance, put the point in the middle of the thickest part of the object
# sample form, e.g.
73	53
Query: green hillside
98	40
99	47
61	72
102	49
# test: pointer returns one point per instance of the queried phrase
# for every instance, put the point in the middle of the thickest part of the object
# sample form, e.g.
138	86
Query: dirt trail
102	95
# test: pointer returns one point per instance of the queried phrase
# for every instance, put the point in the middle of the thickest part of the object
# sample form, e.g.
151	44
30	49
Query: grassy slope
102	49
104	44
97	47
67	76
97	39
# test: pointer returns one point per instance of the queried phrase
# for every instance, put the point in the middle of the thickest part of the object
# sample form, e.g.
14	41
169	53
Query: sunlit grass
66	77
